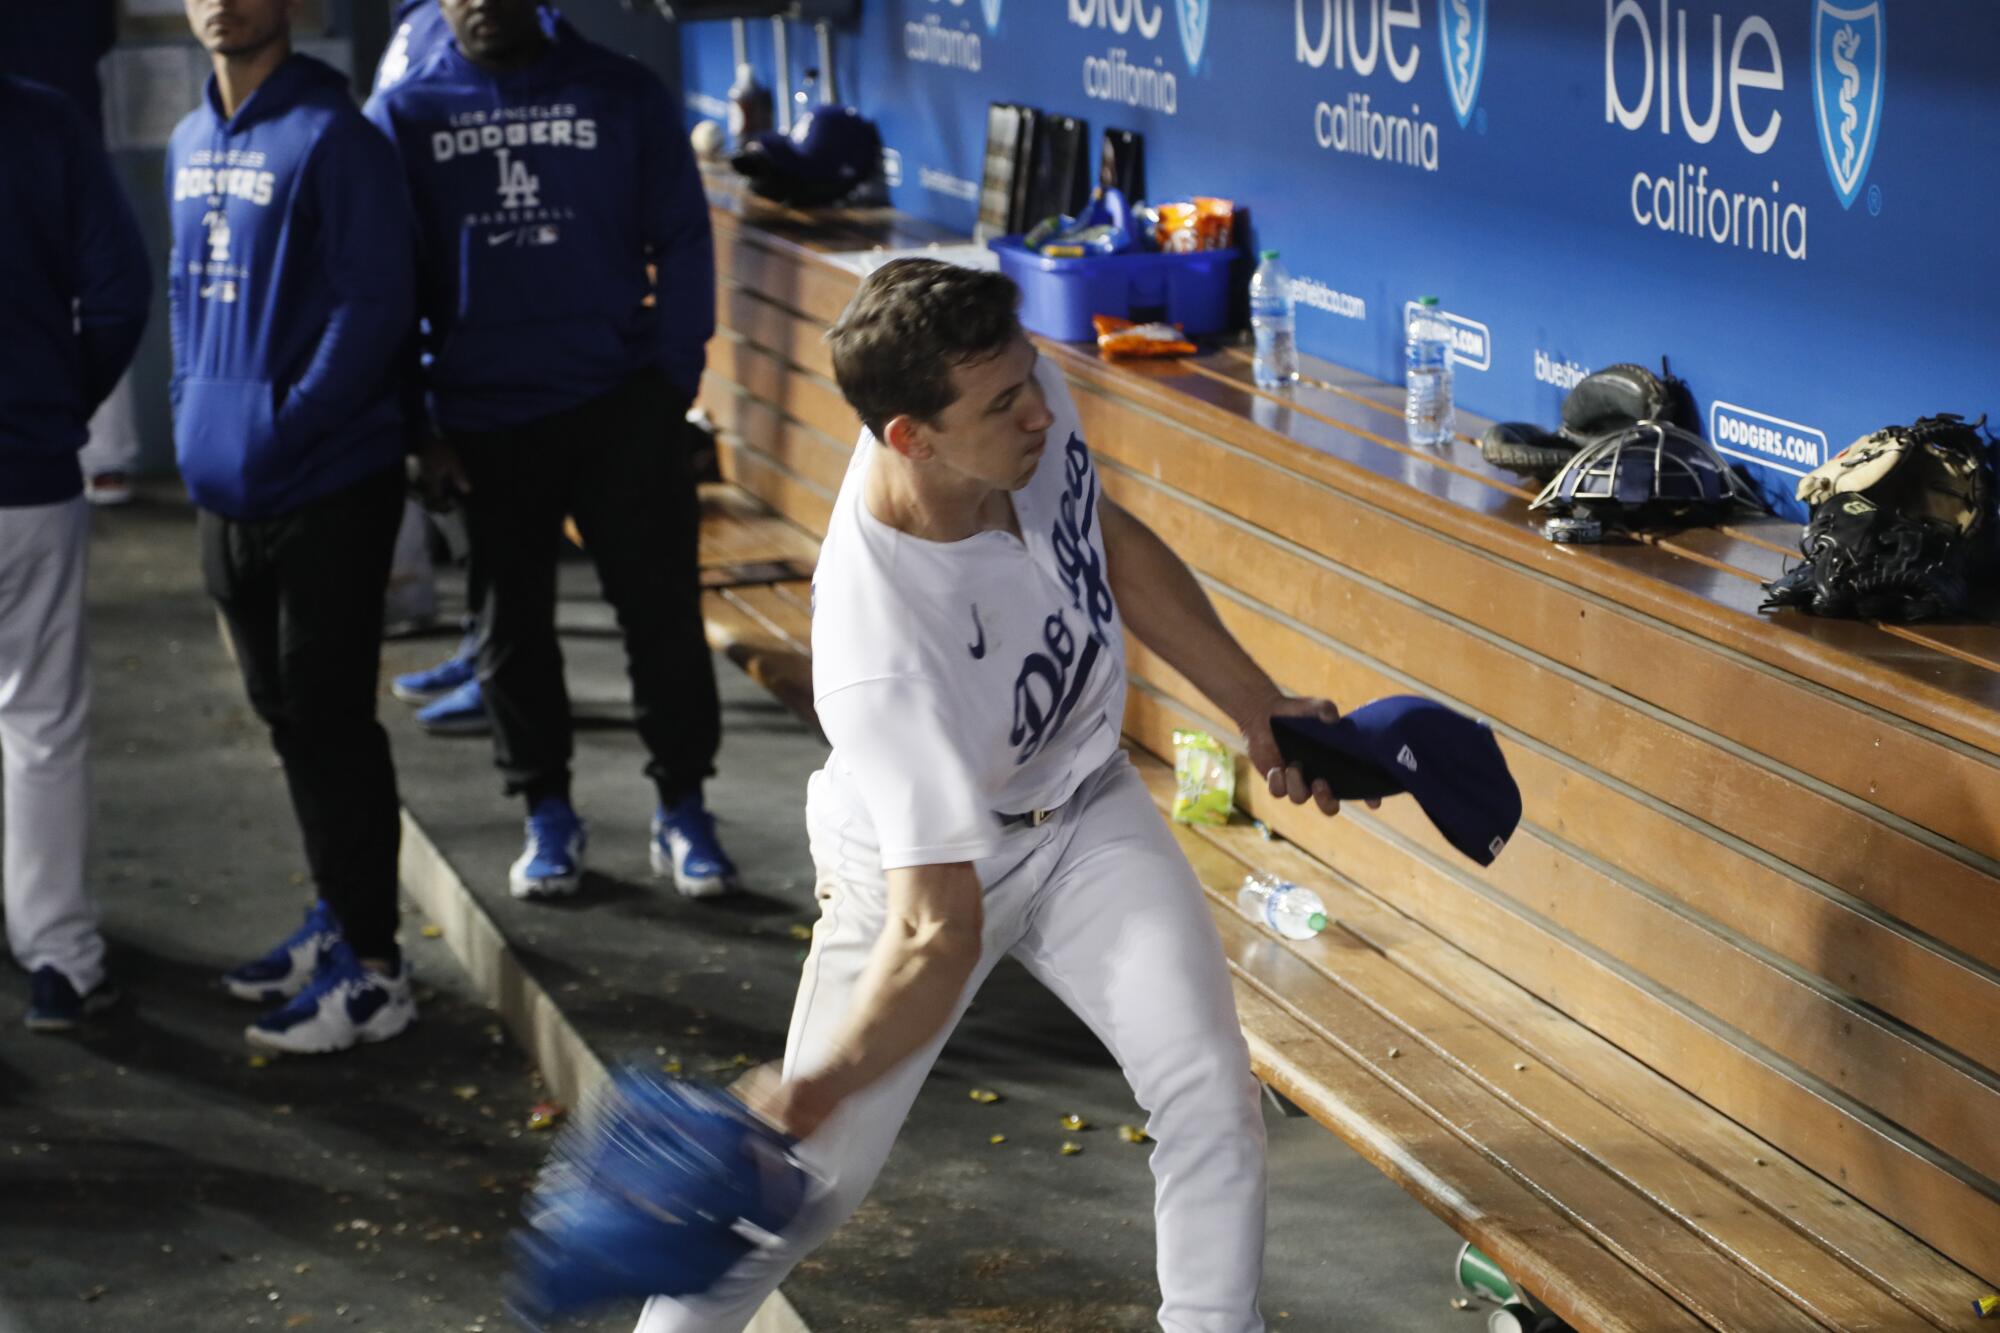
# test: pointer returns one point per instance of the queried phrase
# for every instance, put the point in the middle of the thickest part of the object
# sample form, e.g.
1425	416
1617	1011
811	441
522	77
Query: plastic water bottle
1273	323
1292	910
749	106
1427	412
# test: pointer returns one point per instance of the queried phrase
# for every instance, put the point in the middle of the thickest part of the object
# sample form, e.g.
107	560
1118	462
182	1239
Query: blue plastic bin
1058	296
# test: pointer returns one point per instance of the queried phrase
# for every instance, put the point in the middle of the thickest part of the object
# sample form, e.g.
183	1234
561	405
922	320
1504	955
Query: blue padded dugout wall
1792	198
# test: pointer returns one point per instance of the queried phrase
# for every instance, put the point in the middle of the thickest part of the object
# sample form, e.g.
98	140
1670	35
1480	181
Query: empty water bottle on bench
1292	910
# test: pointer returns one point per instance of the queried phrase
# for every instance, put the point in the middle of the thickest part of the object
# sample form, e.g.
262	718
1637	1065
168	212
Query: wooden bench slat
1534	1244
1916	1275
779	606
731	545
1866	1159
756	424
810	288
759	322
790	494
797	394
761	648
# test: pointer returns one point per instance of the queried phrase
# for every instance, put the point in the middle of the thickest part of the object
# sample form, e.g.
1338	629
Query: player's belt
1031	818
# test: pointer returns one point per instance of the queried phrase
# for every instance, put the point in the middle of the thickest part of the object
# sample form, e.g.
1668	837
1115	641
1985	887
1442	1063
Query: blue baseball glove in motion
661	1189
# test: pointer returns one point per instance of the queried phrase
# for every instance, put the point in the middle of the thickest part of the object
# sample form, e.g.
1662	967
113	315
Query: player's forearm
910	990
1165	607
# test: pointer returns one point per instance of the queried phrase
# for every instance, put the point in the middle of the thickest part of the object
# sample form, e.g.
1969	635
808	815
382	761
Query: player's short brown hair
911	322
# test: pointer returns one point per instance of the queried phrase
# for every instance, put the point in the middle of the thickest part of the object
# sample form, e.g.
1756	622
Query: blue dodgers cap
1406	743
830	151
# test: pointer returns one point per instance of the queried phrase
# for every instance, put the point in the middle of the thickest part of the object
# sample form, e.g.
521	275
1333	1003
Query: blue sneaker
345	1005
685	846
286	970
54	1005
459	713
551	865
420	687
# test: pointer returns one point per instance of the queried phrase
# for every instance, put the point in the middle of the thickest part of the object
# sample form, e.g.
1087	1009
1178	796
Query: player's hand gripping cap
1405	743
660	1190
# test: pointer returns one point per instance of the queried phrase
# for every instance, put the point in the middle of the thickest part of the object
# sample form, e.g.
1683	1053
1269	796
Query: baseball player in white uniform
970	606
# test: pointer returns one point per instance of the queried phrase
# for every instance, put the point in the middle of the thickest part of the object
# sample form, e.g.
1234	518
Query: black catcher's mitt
1898	519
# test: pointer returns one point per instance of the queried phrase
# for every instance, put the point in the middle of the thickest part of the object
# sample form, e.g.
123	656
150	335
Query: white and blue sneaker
420	687
344	1006
286	970
462	712
551	865
685	846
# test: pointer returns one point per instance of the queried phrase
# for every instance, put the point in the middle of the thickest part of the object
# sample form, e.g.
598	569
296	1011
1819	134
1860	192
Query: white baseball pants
45	740
1102	907
113	443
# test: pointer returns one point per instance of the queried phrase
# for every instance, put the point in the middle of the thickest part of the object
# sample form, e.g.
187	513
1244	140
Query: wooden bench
756	600
1713	1044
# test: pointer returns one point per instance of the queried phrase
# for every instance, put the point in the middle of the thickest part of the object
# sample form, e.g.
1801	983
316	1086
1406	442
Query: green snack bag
1204	779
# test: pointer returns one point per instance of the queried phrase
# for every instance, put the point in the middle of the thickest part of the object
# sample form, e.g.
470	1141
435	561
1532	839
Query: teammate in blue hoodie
550	179
290	282
449	698
74	272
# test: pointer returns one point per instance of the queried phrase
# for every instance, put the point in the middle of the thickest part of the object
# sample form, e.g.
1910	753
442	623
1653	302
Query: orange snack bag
1121	337
1175	233
1213	221
1203	224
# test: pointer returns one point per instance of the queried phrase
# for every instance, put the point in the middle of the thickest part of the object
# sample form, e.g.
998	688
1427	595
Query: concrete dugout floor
155	1131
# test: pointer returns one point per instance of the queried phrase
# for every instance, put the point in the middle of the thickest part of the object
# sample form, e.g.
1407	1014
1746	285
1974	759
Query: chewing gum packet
1204	779
1122	338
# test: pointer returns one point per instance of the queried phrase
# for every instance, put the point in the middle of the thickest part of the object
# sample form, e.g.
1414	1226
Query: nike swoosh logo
978	650
501	237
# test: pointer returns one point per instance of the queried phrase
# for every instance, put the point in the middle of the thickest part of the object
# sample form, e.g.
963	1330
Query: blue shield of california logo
1848	75
1193	15
1462	26
991	8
